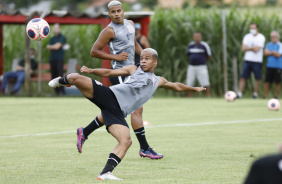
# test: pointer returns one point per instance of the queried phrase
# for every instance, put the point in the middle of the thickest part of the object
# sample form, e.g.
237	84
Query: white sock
239	94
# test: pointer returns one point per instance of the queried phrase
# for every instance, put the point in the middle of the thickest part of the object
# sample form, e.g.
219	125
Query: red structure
64	17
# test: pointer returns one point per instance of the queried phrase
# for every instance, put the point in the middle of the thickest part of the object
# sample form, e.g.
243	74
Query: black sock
140	134
92	126
112	162
63	80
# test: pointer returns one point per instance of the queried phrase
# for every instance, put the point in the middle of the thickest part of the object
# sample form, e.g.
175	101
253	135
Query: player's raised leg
84	84
138	127
122	134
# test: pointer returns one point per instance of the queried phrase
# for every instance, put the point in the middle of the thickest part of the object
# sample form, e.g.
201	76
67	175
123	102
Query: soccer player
120	37
118	101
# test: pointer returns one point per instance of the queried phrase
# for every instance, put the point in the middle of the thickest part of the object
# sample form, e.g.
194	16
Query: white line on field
158	126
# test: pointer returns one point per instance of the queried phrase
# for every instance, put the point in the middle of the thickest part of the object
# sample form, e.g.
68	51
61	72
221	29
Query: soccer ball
230	96
37	29
273	104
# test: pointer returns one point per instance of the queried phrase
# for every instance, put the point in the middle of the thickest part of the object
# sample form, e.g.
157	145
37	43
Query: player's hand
122	56
199	89
84	69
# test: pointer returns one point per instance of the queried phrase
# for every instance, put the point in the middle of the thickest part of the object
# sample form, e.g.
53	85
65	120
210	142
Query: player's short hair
276	32
114	3
253	23
152	51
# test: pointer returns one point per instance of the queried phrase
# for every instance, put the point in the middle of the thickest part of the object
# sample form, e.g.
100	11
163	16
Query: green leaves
172	30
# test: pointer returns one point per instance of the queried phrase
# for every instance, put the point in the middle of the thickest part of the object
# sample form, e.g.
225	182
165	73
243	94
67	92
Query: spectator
273	52
253	44
199	53
142	40
55	46
19	74
266	170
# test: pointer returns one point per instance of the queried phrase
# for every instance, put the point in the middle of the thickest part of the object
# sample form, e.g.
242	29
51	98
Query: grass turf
208	153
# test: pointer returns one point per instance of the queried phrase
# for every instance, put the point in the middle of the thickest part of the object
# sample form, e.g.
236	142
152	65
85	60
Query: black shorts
106	100
273	75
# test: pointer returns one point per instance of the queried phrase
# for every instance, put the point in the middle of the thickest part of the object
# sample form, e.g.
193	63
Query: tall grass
171	31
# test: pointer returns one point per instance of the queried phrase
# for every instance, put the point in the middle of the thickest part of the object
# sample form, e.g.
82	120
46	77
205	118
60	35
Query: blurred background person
273	52
19	74
253	44
199	53
141	39
266	170
56	60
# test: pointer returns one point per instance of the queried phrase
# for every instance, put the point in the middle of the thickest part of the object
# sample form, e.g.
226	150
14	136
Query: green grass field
203	141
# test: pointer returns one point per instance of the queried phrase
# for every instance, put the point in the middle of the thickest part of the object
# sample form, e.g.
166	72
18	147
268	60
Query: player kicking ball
117	102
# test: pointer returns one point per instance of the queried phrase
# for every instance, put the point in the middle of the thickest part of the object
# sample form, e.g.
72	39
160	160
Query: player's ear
155	62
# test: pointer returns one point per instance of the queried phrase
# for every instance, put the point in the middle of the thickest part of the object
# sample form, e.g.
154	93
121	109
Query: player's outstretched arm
177	86
105	37
102	72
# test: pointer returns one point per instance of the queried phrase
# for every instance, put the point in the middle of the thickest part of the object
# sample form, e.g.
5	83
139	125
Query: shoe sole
151	157
78	144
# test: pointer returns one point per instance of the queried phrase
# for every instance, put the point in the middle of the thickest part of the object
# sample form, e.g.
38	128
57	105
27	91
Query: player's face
148	62
56	29
254	26
197	37
274	37
137	31
116	14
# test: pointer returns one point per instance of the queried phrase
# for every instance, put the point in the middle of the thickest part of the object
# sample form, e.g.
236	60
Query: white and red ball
230	96
37	29
273	104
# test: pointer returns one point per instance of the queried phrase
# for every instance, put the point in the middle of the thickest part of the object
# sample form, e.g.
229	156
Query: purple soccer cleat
80	139
150	153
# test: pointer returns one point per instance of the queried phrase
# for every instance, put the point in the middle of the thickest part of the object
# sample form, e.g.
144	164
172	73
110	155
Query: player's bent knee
126	142
72	77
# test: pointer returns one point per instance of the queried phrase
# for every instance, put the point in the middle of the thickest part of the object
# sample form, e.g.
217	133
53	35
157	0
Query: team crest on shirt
130	28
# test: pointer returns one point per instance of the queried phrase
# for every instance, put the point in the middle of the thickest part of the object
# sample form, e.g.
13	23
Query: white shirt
250	40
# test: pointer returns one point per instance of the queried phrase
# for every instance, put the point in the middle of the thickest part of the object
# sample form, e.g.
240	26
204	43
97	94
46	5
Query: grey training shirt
136	90
124	41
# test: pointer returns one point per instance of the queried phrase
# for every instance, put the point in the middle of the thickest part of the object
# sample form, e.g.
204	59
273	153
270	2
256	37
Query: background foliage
170	32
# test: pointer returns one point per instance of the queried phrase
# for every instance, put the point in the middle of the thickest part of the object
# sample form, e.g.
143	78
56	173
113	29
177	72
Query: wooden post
40	60
224	49
106	63
1	52
235	74
27	58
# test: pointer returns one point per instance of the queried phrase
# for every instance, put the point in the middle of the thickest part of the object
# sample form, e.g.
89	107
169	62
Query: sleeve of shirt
261	41
280	49
245	40
208	49
187	50
34	65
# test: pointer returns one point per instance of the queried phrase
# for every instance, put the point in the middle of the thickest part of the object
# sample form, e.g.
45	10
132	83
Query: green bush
80	37
172	30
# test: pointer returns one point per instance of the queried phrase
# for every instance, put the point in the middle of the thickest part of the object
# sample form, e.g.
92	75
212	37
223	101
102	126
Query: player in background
118	101
120	37
141	40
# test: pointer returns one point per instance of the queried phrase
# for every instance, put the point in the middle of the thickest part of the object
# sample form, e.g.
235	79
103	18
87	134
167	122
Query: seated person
19	75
